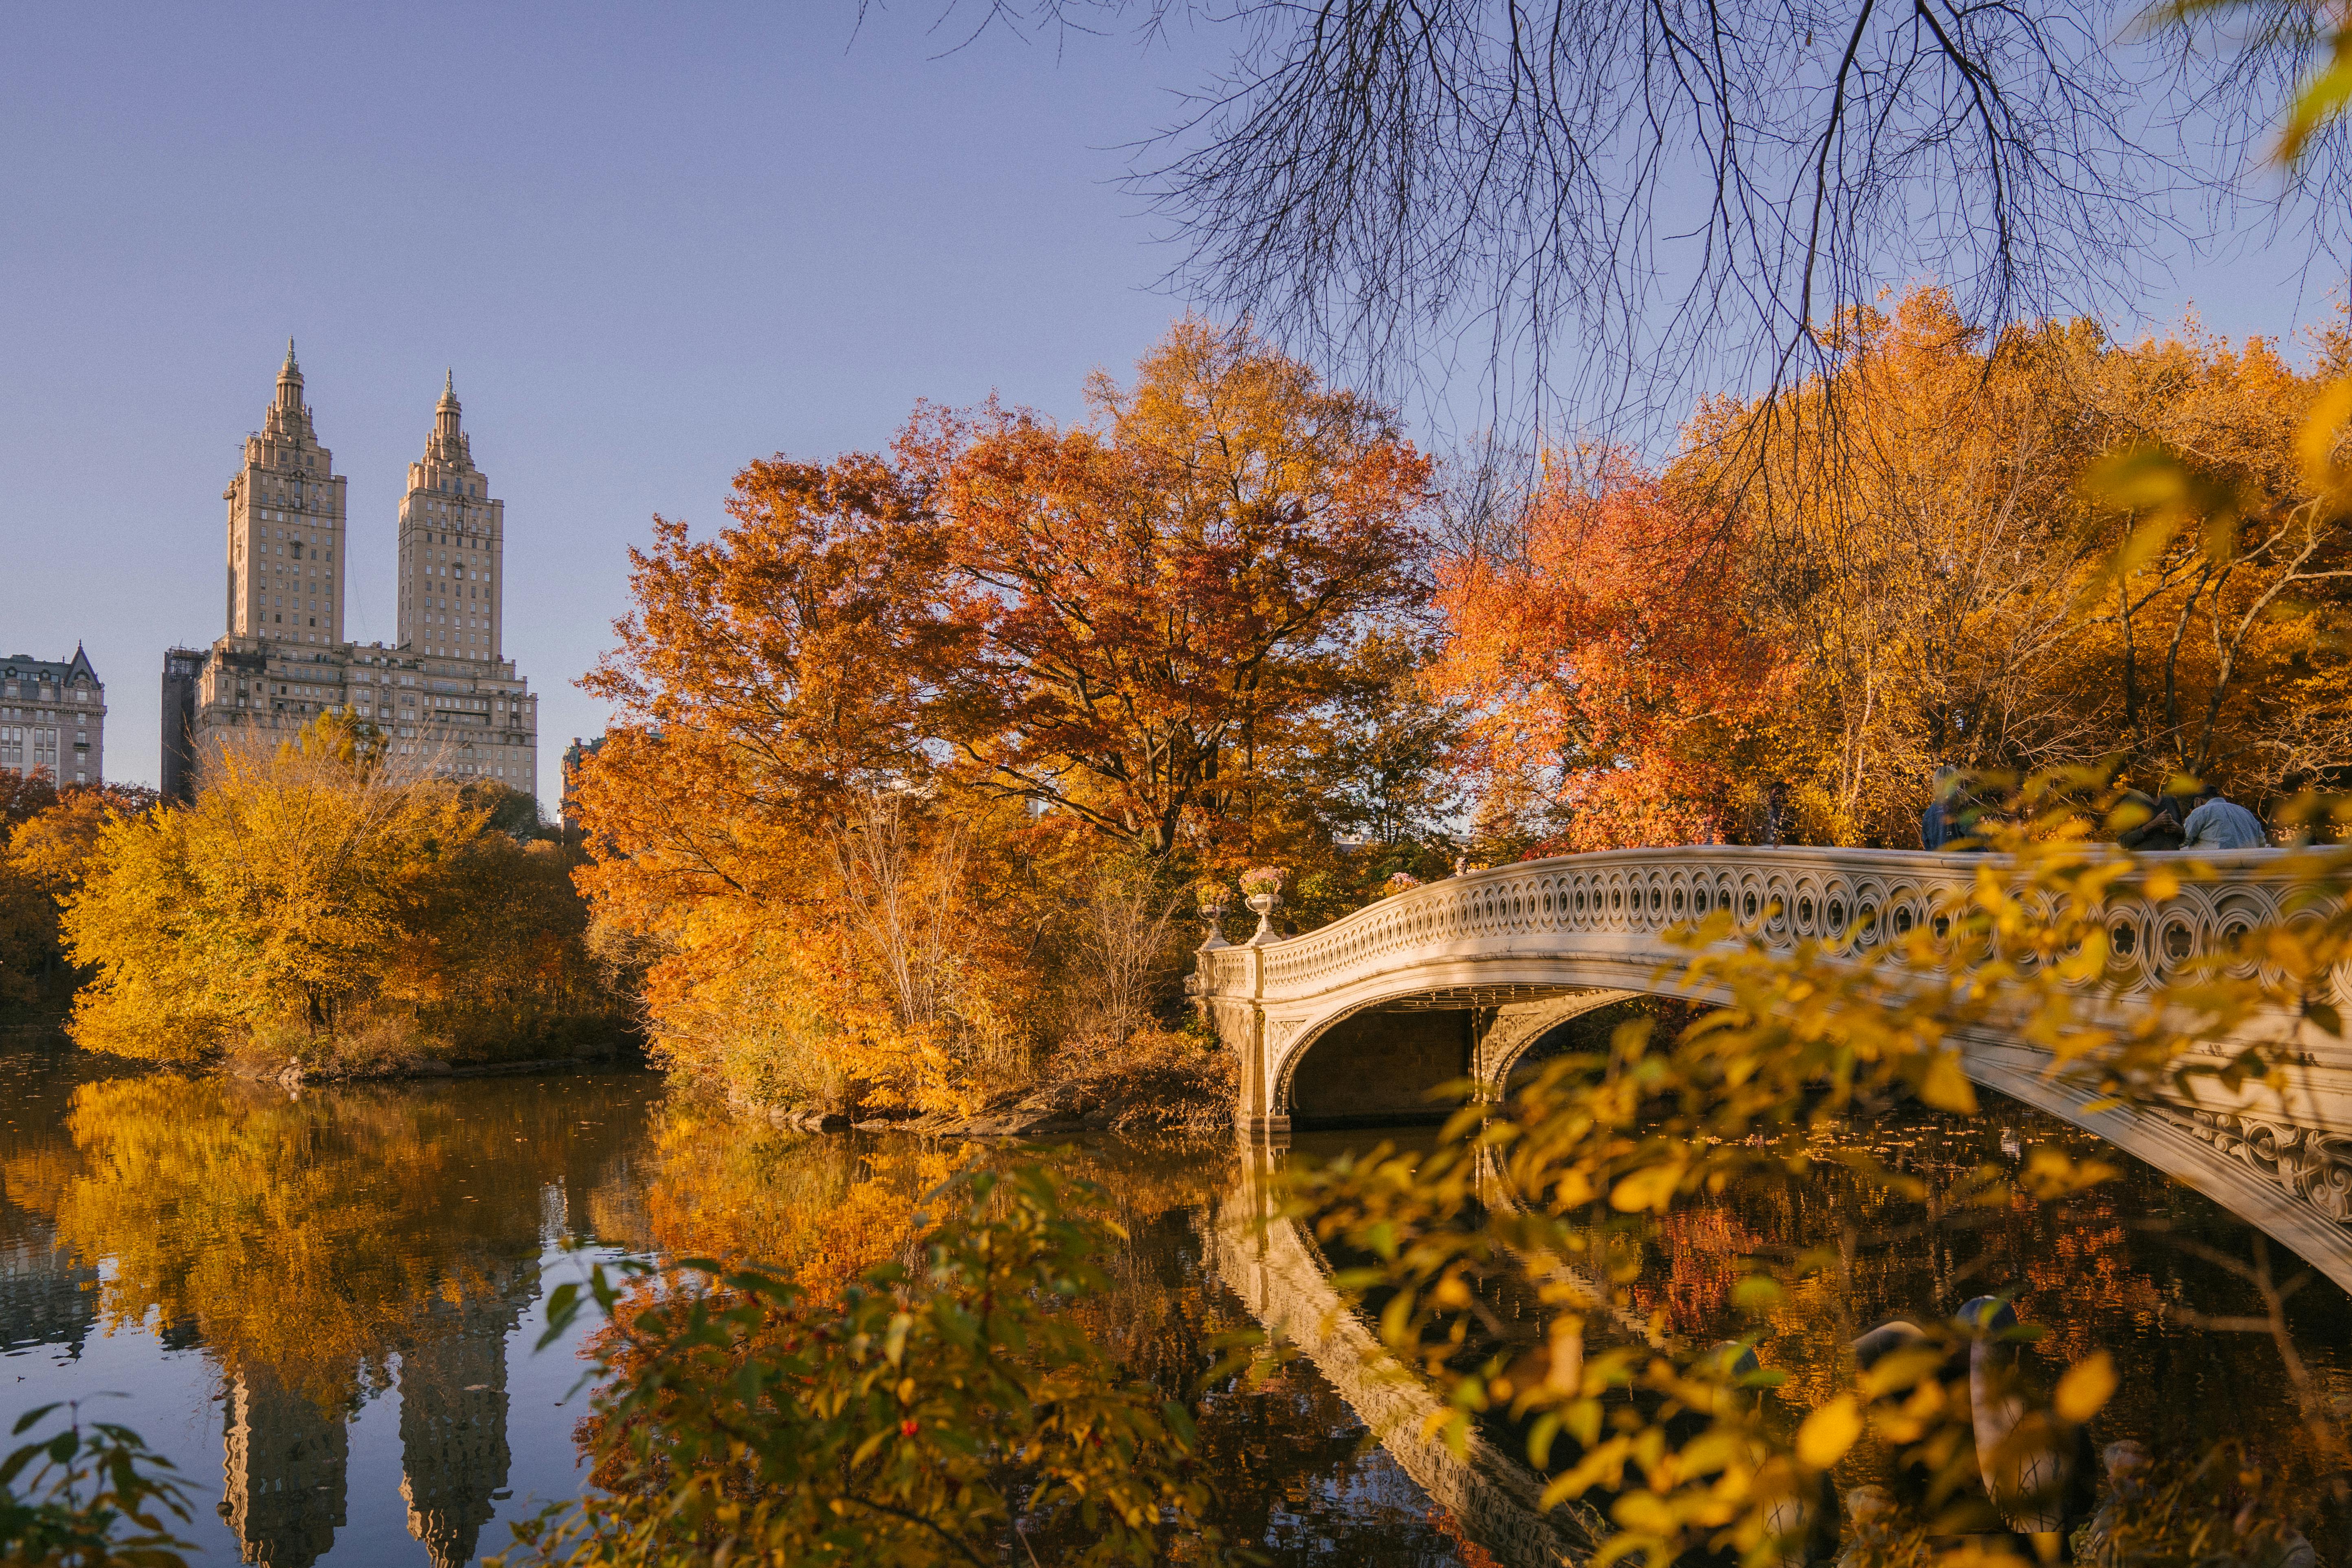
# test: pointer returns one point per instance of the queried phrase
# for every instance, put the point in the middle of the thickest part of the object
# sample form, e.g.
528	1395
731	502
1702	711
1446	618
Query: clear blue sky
654	243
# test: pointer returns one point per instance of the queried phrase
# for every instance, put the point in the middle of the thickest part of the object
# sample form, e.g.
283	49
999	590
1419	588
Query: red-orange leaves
1603	662
773	672
1165	592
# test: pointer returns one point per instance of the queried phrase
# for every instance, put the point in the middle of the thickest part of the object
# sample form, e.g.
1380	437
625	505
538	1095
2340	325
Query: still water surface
322	1305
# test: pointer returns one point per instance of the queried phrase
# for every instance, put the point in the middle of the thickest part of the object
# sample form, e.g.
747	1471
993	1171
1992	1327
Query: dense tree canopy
1168	592
315	902
1980	580
897	741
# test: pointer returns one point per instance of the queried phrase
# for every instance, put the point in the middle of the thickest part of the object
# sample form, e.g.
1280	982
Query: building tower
286	544
183	669
53	719
443	698
284	1466
452	547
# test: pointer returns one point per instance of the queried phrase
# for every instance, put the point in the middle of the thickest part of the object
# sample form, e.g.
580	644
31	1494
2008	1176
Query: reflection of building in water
453	1416
46	1298
284	1471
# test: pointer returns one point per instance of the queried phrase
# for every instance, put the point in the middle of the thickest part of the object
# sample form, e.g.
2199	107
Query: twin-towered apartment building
444	694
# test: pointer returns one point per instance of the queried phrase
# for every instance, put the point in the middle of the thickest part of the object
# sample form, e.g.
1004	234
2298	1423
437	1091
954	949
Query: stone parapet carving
2312	1166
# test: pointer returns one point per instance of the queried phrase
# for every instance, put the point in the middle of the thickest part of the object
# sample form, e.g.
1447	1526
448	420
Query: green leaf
563	1307
1180	1423
32	1417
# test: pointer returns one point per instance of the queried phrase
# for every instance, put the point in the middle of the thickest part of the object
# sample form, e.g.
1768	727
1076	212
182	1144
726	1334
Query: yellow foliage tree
315	900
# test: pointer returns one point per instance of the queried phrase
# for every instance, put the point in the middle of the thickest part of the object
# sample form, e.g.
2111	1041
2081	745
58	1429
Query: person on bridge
1950	816
2221	824
1934	826
2161	827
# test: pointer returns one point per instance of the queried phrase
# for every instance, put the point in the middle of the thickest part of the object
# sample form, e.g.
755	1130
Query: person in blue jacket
2220	824
1943	820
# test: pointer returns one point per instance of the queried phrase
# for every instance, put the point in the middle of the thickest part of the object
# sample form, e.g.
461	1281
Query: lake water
323	1304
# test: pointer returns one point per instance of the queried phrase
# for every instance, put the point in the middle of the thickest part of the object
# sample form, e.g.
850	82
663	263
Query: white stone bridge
1356	1023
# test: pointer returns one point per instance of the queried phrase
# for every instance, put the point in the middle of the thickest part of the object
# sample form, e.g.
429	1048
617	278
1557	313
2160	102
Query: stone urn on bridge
1214	897
1262	886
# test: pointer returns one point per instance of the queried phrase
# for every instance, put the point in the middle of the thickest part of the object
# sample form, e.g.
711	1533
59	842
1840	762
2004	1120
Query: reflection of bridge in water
1284	1283
1356	1023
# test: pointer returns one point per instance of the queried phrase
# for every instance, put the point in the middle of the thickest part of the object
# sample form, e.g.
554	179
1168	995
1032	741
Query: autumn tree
856	722
759	814
1168	590
2224	600
1922	584
768	679
1978	581
1604	680
46	836
316	900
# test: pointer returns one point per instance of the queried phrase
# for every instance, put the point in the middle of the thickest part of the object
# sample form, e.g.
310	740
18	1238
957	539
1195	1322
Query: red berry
907	1428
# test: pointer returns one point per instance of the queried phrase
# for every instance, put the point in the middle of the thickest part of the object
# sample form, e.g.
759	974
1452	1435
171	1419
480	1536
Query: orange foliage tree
1167	591
2007	553
1600	661
880	735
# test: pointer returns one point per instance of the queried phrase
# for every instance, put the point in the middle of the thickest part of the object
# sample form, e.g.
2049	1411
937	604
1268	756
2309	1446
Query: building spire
445	412
289	383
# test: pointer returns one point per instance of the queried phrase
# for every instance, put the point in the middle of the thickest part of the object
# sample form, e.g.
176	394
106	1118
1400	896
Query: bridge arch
1379	1062
1334	1025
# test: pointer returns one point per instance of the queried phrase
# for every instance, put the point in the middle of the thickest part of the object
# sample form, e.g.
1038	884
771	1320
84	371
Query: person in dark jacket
2160	829
1934	828
1950	817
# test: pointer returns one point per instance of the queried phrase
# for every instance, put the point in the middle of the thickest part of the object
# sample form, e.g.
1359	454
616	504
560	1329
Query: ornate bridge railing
1633	897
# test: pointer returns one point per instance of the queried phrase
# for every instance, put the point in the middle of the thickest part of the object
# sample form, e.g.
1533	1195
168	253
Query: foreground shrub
931	1413
91	1497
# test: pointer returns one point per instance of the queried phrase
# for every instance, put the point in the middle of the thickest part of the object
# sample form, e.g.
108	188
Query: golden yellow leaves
2053	1174
311	898
2086	1388
1945	1086
1826	1434
1653	1187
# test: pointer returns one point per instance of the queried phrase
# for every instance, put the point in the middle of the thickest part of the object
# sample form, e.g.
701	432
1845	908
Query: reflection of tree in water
304	1241
2115	1269
1294	1467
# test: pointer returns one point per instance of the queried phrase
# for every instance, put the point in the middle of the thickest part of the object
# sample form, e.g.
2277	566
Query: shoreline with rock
1160	1099
294	1075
